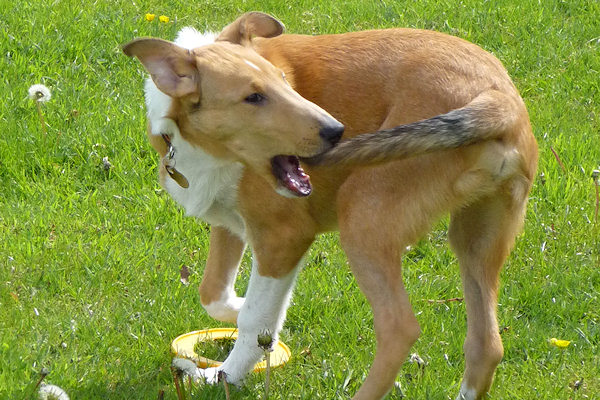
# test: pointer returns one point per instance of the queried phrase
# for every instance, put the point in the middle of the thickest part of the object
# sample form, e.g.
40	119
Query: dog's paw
466	393
210	375
236	303
226	311
214	375
187	367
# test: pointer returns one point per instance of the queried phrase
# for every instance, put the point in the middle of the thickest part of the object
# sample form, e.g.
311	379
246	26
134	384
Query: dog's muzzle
332	133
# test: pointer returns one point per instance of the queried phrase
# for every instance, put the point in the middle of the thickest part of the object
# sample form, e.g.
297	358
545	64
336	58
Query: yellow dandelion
163	18
561	344
150	17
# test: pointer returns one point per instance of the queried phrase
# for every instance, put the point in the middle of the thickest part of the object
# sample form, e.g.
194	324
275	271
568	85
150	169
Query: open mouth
290	175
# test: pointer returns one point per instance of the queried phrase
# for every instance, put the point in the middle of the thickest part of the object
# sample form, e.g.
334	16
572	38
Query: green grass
90	259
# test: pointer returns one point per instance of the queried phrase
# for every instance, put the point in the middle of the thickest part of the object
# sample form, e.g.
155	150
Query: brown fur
369	81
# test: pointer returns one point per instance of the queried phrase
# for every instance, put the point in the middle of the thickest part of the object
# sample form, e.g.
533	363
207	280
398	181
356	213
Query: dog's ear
173	69
249	25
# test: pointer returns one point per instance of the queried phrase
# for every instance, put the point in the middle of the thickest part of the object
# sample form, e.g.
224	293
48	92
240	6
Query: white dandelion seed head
52	392
39	92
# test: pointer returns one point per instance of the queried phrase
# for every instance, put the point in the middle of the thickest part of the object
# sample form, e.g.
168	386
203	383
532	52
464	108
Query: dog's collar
169	163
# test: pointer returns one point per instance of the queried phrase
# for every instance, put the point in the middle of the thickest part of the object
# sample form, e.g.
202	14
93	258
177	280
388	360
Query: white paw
214	375
225	310
236	303
188	367
210	375
466	393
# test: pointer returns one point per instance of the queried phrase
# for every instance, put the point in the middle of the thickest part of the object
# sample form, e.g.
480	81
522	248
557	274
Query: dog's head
234	103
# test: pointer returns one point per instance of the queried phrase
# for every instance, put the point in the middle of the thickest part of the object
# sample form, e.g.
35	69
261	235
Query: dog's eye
255	98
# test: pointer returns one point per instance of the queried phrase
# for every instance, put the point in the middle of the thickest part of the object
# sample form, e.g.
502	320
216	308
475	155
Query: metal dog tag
176	175
169	163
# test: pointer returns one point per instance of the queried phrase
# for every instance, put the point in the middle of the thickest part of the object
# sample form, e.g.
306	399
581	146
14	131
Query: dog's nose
332	132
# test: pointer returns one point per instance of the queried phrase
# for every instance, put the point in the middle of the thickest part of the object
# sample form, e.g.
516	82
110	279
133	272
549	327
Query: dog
247	123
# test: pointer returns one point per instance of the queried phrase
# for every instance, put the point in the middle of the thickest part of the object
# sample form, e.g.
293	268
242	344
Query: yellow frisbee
183	346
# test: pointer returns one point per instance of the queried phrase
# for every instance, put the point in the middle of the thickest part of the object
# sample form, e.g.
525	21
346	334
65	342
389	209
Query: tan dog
237	113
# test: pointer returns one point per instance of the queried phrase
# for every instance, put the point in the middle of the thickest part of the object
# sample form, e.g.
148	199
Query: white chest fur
212	194
213	183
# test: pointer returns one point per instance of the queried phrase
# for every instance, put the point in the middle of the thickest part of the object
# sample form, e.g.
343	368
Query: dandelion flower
39	93
265	341
52	392
561	344
150	17
106	164
163	18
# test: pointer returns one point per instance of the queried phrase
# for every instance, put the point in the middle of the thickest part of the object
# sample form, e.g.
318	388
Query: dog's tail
488	116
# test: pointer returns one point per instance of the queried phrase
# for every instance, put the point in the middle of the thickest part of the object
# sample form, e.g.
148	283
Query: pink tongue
290	175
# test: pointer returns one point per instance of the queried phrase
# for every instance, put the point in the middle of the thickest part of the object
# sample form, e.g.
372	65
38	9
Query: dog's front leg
217	292
263	312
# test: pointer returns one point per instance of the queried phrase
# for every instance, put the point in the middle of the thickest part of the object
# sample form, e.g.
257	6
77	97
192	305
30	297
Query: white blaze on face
250	63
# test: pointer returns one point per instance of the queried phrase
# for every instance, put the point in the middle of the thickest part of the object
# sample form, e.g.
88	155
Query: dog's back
386	77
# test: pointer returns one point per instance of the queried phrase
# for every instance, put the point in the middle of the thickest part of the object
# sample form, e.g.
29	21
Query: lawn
90	256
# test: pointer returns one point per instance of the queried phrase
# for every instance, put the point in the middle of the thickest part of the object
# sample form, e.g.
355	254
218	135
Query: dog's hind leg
374	242
382	210
217	293
482	235
378	273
